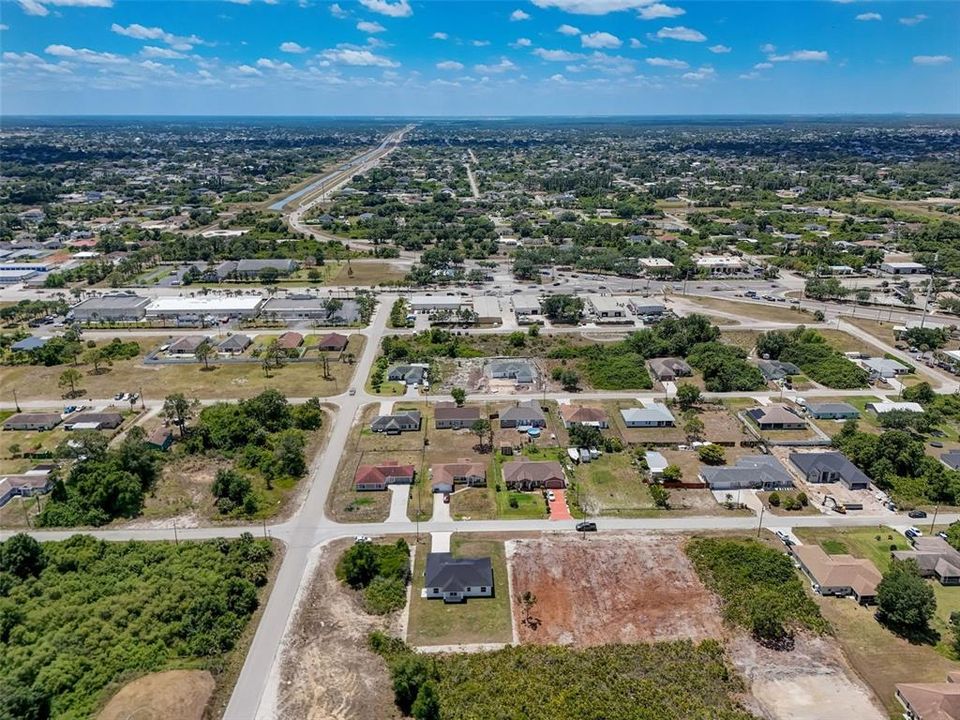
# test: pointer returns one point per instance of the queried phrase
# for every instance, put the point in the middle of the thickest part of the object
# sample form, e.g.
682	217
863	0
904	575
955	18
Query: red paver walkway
558	507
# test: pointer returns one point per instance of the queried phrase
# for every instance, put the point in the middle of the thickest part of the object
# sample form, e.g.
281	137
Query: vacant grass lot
612	485
478	620
366	273
228	381
768	312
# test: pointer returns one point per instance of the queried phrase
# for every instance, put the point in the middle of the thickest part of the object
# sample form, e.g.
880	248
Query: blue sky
525	57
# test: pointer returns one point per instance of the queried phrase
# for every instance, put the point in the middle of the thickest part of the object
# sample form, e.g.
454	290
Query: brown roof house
931	701
669	369
334	341
444	477
534	475
776	417
377	477
580	415
450	417
839	575
289	340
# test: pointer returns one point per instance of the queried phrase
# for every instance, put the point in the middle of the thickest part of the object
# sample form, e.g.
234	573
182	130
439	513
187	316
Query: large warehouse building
172	308
120	307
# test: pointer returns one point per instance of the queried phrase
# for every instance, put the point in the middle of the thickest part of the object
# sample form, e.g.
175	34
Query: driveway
558	506
441	510
398	503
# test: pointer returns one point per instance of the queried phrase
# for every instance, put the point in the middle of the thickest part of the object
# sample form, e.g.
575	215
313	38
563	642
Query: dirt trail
326	671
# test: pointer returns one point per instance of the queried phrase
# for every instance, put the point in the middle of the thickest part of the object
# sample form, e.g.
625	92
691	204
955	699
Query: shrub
384	595
774	499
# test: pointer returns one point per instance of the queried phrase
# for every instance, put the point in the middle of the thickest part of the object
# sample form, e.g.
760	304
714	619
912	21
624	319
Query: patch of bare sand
628	589
810	682
180	694
326	670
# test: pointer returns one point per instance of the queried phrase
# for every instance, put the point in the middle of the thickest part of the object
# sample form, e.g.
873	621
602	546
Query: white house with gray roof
649	415
759	472
456	579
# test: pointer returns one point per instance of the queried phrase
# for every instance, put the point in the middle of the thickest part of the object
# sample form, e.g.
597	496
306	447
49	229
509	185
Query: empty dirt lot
181	694
645	583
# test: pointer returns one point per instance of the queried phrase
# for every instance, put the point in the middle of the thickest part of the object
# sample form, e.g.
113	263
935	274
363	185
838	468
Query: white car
361	539
551	496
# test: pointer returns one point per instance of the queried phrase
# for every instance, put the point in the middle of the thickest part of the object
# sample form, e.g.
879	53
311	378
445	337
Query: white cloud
558	78
292	47
370	27
140	32
521	43
704	73
249	70
636	44
152	51
802	56
269	64
338	12
556	55
358	57
4	26
503	66
85	55
479	43
439	36
29	61
768	49
719	49
749	76
763	66
659	10
568	30
668	63
931	59
600	40
398	9
518	15
914	20
615	64
449	65
591	7
39	7
869	16
681	33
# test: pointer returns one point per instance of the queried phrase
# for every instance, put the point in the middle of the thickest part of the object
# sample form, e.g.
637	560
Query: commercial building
605	308
655	266
308	307
253	269
110	308
432	303
526	308
12	277
200	306
487	309
715	265
647	308
903	268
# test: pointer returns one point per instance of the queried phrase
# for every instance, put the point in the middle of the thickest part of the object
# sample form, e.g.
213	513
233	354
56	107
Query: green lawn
612	483
530	505
478	620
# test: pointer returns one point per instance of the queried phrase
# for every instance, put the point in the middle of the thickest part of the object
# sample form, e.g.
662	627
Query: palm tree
204	352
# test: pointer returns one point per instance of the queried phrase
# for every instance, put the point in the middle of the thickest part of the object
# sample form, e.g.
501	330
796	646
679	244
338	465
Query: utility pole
934	521
143	405
926	302
176	540
760	524
16	402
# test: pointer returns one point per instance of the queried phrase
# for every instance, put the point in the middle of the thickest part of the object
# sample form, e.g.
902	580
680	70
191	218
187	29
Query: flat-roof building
903	268
120	307
430	303
202	305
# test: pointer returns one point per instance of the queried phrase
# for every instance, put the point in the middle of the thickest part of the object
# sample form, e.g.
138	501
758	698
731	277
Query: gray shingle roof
457	574
830	461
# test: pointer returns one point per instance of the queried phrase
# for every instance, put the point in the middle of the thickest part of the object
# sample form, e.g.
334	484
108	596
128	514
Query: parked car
361	539
446	498
916	514
910	534
353	391
586	527
551	496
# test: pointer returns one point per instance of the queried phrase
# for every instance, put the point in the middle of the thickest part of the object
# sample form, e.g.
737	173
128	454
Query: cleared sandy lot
181	694
611	590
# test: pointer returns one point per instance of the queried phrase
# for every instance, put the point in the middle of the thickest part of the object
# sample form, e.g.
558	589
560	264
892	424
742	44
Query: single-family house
447	416
650	414
399	422
832	411
829	467
520	371
160	438
524	414
94	421
334	342
444	477
776	417
25	485
931	701
656	464
377	477
533	475
580	415
669	369
839	575
776	370
890	406
32	421
760	472
456	579
883	367
414	374
935	557
234	345
289	340
186	345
